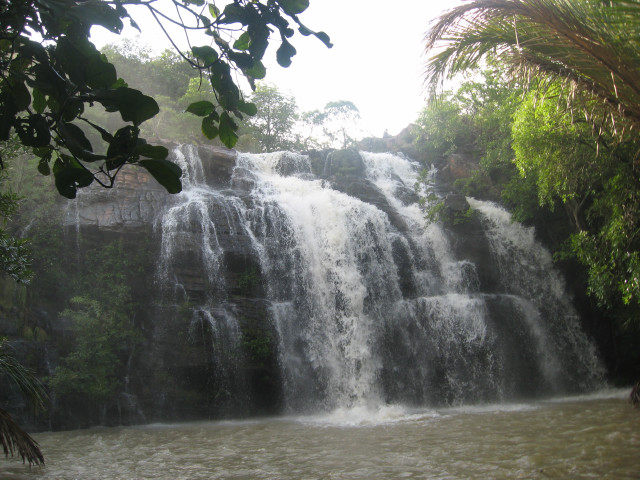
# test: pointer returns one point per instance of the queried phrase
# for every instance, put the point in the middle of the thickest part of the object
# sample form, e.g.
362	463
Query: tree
559	153
104	336
172	82
14	252
310	121
474	121
339	117
272	126
592	47
442	129
164	75
46	86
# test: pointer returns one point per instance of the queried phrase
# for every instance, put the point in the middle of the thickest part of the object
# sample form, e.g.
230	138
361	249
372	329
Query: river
590	436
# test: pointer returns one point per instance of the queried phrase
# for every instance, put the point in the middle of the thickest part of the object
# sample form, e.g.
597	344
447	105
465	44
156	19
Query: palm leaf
591	45
24	378
14	439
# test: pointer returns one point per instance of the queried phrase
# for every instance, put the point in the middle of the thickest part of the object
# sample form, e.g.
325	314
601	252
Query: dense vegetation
47	86
559	142
496	142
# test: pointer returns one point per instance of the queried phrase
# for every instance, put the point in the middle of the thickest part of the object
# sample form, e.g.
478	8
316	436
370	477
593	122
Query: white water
369	310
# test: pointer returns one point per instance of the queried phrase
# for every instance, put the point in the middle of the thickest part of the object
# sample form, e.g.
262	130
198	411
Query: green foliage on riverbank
578	187
103	340
574	135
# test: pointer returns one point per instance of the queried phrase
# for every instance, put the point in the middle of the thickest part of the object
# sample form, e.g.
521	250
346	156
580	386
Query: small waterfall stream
369	304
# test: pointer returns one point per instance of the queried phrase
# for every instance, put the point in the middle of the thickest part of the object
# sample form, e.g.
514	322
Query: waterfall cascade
367	303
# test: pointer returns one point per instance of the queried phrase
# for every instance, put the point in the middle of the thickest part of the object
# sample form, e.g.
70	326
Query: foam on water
363	416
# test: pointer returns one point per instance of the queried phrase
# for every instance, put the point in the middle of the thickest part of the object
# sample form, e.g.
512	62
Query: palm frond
15	440
24	378
593	44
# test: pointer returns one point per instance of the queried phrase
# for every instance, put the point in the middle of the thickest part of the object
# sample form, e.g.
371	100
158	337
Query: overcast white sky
376	62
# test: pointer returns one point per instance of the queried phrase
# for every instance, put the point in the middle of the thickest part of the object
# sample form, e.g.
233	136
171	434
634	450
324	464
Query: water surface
593	436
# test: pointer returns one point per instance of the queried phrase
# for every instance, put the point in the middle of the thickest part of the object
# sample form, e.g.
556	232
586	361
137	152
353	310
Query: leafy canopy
591	46
47	86
272	126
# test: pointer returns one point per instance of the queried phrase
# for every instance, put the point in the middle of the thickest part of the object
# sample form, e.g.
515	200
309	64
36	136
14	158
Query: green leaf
165	172
259	40
228	130
206	53
248	108
72	109
294	7
257	71
99	73
210	126
74	137
156	152
96	13
132	104
324	38
39	101
213	11
223	84
242	60
77	143
42	151
21	96
68	179
33	131
284	53
106	136
201	108
118	83
84	64
233	13
30	49
49	81
243	42
43	166
122	148
205	20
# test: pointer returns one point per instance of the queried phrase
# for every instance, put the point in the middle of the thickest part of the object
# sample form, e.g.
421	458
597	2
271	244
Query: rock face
186	367
237	315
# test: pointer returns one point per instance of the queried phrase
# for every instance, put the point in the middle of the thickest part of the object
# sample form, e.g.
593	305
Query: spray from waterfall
367	302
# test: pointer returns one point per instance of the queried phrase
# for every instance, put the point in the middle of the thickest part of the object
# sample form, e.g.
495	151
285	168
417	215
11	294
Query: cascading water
189	237
527	272
367	302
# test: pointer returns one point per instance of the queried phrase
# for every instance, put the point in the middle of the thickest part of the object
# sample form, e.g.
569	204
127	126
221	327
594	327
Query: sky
376	62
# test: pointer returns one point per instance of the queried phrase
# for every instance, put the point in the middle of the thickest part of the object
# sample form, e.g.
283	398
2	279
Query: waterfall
368	303
527	272
189	238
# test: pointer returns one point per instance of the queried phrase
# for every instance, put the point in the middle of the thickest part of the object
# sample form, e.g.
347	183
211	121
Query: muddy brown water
592	436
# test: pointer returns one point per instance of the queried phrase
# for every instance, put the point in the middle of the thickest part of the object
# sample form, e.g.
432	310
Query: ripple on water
578	438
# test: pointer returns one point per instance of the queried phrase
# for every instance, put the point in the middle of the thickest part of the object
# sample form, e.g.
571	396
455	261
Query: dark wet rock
344	163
